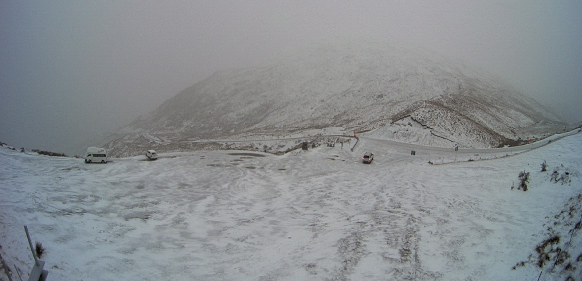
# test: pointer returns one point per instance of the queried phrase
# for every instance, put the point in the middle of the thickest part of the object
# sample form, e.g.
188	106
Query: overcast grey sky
72	69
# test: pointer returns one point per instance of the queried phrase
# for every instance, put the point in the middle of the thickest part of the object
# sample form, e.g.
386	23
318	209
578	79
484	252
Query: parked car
368	158
96	155
151	154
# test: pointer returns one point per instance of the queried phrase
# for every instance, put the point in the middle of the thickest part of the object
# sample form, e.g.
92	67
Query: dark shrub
39	250
523	180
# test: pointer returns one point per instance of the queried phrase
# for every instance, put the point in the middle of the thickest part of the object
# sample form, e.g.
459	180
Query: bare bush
564	177
545	254
523	180
39	250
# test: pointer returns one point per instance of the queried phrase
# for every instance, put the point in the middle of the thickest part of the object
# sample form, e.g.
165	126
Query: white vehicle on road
96	155
151	154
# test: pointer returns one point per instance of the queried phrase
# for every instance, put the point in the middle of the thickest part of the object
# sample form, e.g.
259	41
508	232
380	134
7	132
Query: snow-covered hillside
308	215
353	85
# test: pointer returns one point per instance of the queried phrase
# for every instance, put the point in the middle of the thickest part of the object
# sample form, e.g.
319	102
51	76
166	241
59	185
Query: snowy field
315	215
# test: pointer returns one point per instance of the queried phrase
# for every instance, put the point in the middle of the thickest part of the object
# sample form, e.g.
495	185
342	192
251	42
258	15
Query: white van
96	155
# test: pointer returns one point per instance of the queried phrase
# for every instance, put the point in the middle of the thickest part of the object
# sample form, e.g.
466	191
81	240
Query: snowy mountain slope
355	85
314	215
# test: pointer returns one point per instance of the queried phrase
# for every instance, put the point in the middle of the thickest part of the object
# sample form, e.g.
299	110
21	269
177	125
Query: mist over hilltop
73	70
355	85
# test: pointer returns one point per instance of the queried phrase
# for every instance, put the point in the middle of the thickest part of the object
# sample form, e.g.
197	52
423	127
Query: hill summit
352	86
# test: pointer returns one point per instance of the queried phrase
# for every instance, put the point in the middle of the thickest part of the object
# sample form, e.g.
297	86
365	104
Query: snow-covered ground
308	215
